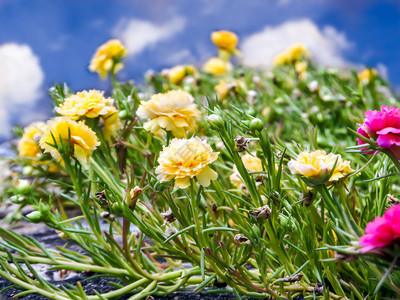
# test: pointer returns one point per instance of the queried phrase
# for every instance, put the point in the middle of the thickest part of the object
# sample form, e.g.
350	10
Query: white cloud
138	35
21	78
325	45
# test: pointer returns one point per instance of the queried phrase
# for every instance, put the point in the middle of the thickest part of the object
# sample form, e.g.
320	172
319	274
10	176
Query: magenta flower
382	231
384	127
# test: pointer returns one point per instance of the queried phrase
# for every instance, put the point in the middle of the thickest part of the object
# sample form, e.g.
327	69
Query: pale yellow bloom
184	159
90	104
111	125
173	111
224	87
366	75
178	73
317	166
225	40
251	163
281	59
291	55
301	68
217	66
83	139
107	58
28	145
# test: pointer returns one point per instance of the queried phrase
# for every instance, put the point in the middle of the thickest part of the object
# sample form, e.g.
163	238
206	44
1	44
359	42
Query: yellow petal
206	175
182	183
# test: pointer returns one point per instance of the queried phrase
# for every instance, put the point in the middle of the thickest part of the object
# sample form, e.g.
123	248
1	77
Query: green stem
195	215
392	157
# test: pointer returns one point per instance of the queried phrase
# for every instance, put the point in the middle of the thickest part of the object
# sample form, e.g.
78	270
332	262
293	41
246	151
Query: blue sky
47	41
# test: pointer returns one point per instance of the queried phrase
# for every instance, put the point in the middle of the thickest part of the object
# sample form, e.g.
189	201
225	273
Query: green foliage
307	239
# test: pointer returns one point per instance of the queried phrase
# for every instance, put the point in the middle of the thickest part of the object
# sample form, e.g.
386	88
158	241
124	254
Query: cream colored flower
173	111
28	145
184	159
251	163
291	55
90	104
217	67
107	58
225	40
83	139
317	166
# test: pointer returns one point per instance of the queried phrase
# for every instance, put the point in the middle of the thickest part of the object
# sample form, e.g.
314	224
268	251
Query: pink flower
384	126
382	231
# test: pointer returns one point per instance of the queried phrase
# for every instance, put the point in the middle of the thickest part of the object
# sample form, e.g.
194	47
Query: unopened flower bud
241	143
27	170
313	86
256	79
35	216
252	93
135	192
117	209
215	121
24	187
123	114
256	124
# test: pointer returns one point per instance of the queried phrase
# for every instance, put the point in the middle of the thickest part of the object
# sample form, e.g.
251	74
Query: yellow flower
28	145
366	75
90	104
251	163
184	159
301	68
291	55
83	139
178	73
217	67
317	166
112	123
173	111
224	87
107	58
297	51
225	40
